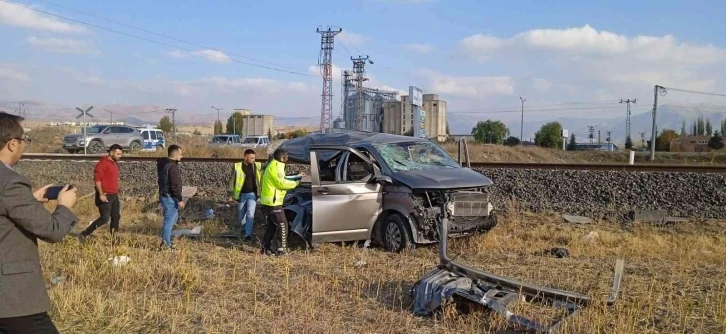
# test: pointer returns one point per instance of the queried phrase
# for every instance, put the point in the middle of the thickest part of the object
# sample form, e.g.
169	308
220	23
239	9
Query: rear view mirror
382	179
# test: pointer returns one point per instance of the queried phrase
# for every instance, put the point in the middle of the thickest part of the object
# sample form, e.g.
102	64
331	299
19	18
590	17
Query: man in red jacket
106	177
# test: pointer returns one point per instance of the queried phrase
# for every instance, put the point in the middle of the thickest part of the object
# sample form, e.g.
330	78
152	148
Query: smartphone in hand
52	192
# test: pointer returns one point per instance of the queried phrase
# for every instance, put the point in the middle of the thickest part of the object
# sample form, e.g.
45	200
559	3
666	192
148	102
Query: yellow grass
673	280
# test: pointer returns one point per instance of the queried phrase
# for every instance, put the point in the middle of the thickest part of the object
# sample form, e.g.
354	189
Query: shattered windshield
411	156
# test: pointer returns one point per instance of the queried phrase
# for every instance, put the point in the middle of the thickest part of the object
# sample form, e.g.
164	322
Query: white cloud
15	15
211	55
62	45
477	87
422	48
13	73
542	84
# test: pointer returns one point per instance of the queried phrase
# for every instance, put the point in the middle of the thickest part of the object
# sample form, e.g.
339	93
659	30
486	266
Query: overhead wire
155	41
693	91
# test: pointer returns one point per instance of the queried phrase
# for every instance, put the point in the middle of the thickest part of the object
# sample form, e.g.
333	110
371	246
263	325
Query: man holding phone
106	177
24	301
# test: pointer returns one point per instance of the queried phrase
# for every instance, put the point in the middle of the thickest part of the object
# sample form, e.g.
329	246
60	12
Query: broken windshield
410	156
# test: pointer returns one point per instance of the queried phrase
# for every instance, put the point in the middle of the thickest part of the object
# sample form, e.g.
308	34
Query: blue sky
475	54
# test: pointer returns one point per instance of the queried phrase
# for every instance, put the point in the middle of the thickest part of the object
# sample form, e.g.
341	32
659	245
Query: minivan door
346	201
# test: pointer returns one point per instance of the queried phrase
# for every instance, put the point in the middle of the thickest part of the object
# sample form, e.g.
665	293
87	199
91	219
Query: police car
153	139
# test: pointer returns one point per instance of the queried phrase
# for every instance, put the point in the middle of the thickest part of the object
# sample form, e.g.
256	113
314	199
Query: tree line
495	132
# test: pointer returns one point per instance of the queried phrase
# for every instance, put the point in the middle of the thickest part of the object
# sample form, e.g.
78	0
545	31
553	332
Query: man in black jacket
170	191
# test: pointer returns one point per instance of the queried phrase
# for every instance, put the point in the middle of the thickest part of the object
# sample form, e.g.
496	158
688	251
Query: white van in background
256	141
153	139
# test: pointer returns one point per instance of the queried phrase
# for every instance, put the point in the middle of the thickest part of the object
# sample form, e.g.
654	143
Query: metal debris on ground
577	219
362	261
57	280
559	252
196	231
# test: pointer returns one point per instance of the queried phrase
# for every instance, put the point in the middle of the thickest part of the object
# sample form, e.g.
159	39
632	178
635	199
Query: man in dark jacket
24	302
170	192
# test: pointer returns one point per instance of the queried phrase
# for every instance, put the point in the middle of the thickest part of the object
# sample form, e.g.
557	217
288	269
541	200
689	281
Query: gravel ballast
595	194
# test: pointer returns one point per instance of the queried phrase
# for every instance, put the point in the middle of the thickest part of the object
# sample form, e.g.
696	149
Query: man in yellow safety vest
274	187
244	188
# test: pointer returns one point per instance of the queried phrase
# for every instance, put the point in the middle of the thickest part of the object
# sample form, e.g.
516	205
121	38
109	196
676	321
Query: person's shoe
267	251
282	252
164	247
115	241
81	238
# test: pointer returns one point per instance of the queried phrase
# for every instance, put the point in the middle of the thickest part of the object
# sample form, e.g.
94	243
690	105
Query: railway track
480	165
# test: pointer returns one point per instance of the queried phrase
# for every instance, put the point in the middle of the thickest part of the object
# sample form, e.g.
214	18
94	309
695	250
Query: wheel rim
393	236
135	147
95	147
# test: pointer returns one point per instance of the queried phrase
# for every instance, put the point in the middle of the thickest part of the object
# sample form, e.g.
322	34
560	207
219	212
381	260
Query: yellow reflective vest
275	185
239	178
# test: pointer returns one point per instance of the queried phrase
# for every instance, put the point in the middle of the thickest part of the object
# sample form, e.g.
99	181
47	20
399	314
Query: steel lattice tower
359	70
325	60
344	94
627	117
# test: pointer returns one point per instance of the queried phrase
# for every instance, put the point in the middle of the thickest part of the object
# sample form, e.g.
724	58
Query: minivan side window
146	135
356	169
153	135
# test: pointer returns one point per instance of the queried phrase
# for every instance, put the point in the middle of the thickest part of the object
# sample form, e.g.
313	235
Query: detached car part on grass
454	282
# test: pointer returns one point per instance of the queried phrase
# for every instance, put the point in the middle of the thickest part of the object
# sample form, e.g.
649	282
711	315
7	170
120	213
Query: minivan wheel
396	237
95	147
135	147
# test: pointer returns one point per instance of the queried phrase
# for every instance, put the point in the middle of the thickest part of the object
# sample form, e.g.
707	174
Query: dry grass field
673	282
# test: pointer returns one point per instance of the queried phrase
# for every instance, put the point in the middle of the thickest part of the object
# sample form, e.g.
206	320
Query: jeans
246	211
171	215
35	323
110	210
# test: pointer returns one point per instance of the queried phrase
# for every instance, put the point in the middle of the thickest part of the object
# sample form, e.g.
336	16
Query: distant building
256	125
692	144
398	119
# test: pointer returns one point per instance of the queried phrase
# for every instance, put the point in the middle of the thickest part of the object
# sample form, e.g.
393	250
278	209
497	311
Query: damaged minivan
384	188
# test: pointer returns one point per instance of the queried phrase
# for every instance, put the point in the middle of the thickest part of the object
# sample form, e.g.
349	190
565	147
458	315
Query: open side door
346	193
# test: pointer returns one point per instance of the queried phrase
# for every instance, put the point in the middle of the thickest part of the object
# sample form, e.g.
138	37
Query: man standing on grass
170	192
106	177
24	301
274	187
243	189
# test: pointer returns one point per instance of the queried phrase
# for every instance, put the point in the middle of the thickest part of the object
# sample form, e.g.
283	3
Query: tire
135	147
395	234
95	147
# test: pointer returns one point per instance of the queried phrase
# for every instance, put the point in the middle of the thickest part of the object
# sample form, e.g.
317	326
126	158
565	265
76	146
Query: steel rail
477	165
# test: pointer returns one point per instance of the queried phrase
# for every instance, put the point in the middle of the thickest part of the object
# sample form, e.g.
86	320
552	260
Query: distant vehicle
100	138
255	141
225	141
153	139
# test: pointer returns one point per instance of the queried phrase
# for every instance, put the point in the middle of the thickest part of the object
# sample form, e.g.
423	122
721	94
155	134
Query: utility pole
172	111
110	112
327	41
21	111
521	128
591	129
657	89
609	139
359	71
642	139
599	142
627	118
218	109
344	110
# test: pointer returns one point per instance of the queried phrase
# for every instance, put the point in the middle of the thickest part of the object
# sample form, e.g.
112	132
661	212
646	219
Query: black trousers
30	324
110	210
275	218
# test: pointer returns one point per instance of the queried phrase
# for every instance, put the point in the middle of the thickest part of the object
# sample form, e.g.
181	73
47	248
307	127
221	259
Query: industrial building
255	125
398	119
372	101
692	144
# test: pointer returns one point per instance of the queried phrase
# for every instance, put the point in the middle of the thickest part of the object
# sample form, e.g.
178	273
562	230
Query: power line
163	35
494	111
155	41
691	91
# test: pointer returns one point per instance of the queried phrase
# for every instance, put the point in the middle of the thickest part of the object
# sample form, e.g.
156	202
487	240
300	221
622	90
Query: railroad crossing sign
83	114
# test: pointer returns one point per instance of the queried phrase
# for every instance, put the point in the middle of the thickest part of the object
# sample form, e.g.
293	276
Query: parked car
153	139
385	188
255	141
225	141
100	138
